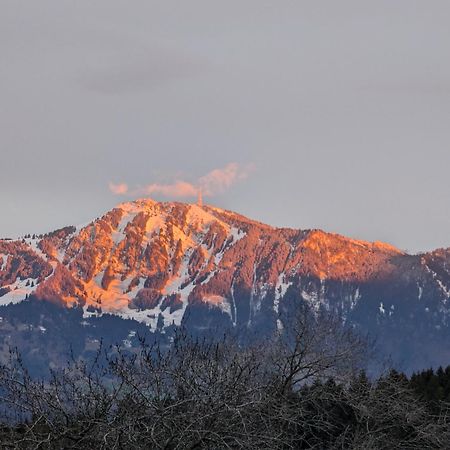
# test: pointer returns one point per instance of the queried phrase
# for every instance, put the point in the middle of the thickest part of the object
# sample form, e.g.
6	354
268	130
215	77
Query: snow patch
237	234
442	287
218	301
233	311
150	316
316	298
420	288
280	290
355	298
18	291
198	218
279	325
252	304
33	243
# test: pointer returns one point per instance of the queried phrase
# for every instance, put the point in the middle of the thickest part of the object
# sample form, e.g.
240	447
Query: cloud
219	180
143	69
177	189
118	189
215	182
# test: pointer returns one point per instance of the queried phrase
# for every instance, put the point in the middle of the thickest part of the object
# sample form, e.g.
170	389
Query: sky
304	114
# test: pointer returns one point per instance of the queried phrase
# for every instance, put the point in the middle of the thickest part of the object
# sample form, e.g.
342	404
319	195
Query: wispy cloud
215	182
176	189
118	189
145	68
219	180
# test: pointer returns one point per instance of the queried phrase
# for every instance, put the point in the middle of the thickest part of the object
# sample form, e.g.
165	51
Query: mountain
158	265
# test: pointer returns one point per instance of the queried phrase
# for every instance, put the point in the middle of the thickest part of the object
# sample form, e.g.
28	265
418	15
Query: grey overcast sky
332	114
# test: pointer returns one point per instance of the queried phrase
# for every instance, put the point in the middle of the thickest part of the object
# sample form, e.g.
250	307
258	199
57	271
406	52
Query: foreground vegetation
302	390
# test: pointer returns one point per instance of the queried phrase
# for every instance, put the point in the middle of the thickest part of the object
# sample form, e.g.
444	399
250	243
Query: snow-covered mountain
164	264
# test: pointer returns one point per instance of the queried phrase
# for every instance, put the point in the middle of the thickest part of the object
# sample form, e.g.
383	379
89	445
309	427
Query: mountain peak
145	258
137	205
169	263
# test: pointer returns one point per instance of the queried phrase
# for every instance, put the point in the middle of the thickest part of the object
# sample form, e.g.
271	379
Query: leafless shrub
219	395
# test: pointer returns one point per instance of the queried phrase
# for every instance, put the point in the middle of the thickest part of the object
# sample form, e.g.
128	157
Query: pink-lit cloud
177	189
118	189
215	182
219	180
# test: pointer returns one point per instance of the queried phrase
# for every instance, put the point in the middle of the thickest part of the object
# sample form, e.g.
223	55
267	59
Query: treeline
432	387
302	390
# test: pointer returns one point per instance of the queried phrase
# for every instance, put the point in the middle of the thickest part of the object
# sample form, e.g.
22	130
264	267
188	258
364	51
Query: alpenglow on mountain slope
167	264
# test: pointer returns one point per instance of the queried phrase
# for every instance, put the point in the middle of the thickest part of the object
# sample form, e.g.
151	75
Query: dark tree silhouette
300	390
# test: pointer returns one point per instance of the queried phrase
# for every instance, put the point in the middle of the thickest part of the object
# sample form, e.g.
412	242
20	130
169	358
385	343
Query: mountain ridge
168	263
